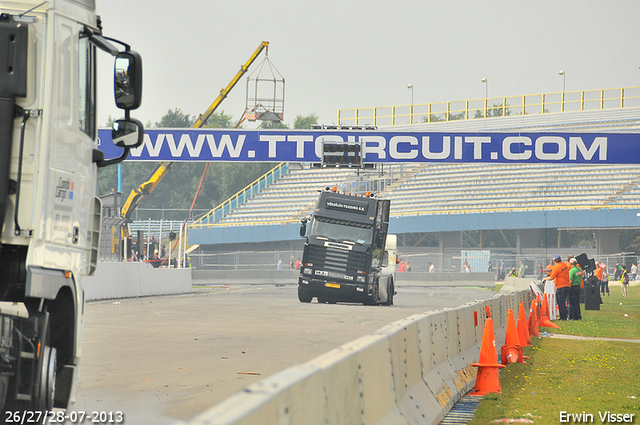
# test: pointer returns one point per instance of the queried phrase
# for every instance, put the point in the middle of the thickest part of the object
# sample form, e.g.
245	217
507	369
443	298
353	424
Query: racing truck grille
331	259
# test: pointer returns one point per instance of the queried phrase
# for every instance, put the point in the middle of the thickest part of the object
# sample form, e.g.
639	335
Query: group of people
293	264
620	274
156	260
514	272
404	266
567	277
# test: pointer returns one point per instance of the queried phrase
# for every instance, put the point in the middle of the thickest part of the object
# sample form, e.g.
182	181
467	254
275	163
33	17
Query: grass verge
579	377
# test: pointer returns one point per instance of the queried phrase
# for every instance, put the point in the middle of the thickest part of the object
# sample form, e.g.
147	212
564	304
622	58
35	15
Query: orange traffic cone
544	311
488	378
523	330
511	351
533	321
545	321
523	333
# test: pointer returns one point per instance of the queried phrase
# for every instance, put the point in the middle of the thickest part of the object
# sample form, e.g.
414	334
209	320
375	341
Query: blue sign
174	145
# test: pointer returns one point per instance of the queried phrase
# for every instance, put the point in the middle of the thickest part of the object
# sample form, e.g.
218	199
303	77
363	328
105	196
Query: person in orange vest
560	276
550	267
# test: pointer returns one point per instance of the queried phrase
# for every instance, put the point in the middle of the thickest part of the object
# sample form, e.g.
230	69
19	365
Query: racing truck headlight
361	279
306	271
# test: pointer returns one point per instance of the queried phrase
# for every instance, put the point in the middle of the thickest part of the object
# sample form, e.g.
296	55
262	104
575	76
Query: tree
305	122
110	122
496	111
220	120
175	119
432	118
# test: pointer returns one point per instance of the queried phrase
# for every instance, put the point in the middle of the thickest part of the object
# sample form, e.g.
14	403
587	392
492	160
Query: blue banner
206	145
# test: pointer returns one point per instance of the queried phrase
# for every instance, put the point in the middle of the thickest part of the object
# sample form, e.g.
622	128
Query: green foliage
110	122
220	120
497	110
433	118
175	119
304	122
630	240
454	117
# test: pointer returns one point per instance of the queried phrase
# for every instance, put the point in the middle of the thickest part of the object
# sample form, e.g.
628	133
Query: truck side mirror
303	227
127	133
385	259
127	81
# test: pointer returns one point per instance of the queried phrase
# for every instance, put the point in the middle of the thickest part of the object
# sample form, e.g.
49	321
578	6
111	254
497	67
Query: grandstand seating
457	188
442	188
289	198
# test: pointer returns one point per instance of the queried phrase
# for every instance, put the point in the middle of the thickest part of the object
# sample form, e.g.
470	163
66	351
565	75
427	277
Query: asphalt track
168	358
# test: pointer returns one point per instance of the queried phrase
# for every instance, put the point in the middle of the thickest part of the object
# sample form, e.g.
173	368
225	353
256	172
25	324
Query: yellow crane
163	168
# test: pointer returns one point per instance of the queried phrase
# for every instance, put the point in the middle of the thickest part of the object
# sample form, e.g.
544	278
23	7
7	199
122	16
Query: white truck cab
50	215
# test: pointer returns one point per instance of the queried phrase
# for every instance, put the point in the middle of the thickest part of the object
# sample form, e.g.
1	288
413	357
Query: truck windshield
340	230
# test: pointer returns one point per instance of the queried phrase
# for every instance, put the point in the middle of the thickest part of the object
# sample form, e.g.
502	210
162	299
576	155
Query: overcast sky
340	54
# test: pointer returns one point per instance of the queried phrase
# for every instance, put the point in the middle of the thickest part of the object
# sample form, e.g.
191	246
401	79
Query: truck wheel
304	296
390	293
47	387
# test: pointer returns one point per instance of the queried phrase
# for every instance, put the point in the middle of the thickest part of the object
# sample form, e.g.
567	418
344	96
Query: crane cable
195	198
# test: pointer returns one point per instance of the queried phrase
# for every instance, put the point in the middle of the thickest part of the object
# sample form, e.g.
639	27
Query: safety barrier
411	371
543	103
128	280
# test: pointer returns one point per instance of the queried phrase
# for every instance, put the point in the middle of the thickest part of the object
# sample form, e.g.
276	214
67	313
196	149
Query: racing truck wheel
304	296
390	292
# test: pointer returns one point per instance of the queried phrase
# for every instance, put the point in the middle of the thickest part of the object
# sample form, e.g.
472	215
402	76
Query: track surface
162	359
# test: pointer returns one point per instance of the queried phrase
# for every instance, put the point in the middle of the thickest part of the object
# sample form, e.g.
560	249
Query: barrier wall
124	280
284	277
515	284
411	371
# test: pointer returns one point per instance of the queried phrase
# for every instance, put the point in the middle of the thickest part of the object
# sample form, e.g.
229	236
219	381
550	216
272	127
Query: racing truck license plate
332	285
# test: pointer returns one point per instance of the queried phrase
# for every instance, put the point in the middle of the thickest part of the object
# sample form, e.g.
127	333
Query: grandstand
454	198
467	188
294	195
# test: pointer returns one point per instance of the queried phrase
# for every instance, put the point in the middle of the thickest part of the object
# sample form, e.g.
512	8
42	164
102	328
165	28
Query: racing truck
50	215
344	253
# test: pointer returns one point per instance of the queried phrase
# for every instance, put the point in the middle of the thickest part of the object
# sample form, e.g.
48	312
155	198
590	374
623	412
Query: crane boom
163	168
202	119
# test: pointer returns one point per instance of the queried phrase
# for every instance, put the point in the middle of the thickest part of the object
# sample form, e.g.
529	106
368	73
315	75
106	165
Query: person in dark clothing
575	276
155	260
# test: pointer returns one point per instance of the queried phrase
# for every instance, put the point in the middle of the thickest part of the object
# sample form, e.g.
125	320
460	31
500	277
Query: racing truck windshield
341	231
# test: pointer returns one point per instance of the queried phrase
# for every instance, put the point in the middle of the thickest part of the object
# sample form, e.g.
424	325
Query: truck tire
47	388
390	292
304	296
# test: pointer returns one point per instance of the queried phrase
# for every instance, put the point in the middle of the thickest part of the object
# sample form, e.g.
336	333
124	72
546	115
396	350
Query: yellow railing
242	196
586	100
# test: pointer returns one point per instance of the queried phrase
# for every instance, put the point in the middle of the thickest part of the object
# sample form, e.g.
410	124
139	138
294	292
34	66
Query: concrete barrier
290	277
515	284
411	371
230	277
483	279
125	280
